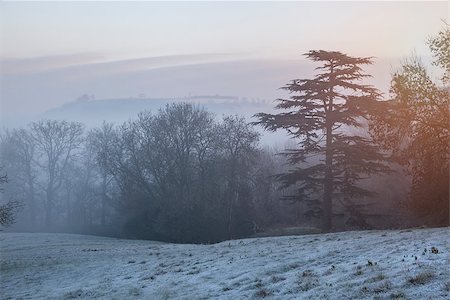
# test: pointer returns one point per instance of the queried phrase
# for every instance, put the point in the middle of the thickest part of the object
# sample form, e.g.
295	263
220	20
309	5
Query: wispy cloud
46	63
97	64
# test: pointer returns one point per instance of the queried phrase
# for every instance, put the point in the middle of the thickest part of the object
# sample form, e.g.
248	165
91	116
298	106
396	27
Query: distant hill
93	112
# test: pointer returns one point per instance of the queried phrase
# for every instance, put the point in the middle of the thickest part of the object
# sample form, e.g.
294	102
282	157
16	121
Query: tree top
337	58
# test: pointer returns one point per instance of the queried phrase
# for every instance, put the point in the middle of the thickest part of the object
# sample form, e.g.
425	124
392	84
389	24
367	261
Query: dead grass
421	278
447	287
262	293
397	295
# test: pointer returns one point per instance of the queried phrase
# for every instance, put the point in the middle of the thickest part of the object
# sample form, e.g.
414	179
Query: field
407	264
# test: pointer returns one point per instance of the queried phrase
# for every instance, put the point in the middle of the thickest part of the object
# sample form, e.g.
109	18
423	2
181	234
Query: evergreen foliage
324	114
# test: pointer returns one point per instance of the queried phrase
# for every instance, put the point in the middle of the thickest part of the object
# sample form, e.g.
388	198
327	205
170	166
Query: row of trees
182	175
185	176
346	134
177	175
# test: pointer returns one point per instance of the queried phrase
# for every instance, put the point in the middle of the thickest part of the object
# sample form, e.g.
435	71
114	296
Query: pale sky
38	37
124	29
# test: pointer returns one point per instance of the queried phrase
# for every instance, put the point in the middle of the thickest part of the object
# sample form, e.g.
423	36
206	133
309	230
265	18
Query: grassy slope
357	265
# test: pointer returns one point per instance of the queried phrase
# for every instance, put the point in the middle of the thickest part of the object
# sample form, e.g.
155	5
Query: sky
52	52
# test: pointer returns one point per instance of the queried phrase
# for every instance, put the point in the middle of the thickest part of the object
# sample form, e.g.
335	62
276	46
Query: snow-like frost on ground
349	265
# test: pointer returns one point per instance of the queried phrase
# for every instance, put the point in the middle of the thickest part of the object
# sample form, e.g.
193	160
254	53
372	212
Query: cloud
46	63
96	64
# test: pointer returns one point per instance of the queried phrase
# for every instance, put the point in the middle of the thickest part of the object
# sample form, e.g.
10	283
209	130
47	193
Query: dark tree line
177	175
184	175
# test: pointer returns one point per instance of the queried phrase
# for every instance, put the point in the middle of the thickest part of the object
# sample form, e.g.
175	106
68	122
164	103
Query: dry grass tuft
421	278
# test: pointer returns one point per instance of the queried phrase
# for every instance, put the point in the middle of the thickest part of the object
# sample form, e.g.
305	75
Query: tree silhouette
9	209
414	126
56	142
322	114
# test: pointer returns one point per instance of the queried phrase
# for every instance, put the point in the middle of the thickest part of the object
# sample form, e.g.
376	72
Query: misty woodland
183	174
353	159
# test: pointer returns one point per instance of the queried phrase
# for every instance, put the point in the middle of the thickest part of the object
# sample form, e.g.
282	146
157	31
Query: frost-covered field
351	265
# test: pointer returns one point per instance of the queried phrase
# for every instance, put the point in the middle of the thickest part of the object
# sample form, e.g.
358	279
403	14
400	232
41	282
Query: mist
224	150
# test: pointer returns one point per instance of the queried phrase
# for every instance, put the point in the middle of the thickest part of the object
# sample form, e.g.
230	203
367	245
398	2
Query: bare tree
101	140
180	169
56	142
17	154
239	145
414	126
